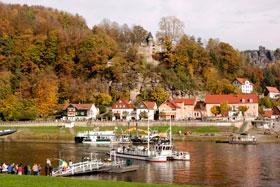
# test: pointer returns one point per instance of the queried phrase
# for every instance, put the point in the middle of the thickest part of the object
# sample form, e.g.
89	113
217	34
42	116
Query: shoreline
64	135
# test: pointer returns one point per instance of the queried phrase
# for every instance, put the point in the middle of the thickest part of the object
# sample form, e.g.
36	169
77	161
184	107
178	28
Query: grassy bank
56	133
29	181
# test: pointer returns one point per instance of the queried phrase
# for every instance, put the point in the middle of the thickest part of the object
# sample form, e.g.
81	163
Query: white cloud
245	24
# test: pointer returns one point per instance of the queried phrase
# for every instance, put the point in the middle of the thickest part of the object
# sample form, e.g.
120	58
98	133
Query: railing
80	167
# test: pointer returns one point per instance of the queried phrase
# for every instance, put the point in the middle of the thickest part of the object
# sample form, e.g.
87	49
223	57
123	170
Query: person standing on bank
19	170
35	169
46	170
50	169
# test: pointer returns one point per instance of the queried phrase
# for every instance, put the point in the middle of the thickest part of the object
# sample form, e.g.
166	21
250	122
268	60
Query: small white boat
184	156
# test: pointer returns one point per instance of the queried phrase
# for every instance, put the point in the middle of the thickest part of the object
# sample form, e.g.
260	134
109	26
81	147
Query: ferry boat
244	140
102	137
159	153
139	153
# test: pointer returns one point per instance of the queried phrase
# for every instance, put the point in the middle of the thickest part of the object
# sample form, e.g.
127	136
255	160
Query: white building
271	92
74	112
123	109
244	85
149	107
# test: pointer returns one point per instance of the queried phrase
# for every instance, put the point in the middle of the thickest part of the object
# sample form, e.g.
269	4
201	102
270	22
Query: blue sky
245	24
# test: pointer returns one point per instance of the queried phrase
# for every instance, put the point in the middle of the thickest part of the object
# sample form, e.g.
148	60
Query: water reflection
211	164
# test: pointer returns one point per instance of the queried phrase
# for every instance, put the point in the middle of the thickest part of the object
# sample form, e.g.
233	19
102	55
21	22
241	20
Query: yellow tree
215	110
45	92
224	107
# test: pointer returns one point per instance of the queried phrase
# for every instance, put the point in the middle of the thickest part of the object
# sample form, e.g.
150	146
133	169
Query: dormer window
116	106
251	100
243	100
247	82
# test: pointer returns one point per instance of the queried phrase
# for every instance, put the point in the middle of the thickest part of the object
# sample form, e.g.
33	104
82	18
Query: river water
211	164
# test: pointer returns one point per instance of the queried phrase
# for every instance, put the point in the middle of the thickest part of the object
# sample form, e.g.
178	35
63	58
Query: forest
49	58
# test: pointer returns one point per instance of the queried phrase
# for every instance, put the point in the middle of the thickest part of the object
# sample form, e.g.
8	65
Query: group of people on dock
20	169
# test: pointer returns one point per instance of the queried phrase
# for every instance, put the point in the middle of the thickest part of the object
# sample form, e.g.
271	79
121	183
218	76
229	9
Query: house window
188	107
116	106
124	106
173	109
254	107
248	107
243	100
120	101
82	113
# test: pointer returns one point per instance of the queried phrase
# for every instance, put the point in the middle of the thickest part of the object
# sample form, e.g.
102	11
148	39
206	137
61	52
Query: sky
245	24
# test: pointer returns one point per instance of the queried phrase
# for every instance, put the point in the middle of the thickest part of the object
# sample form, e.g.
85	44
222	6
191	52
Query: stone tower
147	48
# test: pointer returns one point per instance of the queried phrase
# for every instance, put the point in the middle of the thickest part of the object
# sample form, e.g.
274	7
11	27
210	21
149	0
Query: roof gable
123	104
272	89
243	80
79	106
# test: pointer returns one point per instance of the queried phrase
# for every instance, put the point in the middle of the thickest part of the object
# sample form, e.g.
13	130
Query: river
211	164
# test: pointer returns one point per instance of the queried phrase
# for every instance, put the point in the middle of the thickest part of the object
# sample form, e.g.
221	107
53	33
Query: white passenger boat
7	132
102	137
139	153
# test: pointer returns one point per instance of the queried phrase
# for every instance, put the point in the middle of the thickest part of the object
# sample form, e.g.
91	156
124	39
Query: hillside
50	57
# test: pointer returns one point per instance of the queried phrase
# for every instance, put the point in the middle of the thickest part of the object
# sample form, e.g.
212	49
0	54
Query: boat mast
170	133
148	137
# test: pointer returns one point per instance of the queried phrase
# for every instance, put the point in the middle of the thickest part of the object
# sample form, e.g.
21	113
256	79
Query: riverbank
207	134
53	133
29	181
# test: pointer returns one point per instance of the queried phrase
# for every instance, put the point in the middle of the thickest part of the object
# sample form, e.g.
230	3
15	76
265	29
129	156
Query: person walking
70	165
19	170
46	170
35	169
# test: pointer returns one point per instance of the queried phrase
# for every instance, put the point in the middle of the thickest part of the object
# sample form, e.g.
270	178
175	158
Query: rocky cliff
262	57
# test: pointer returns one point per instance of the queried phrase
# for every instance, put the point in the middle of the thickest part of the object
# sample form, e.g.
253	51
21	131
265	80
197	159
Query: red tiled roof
243	80
272	89
124	103
268	113
186	101
79	106
231	99
149	105
170	101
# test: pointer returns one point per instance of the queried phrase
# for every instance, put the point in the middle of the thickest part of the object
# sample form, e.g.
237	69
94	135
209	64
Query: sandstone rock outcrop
263	57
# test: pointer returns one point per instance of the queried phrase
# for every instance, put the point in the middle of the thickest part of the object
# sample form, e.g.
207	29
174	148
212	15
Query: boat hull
144	158
105	142
7	132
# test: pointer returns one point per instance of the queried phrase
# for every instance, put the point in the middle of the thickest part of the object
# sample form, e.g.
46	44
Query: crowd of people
20	169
